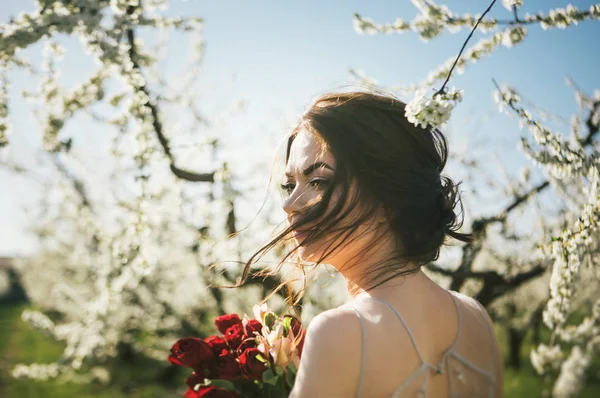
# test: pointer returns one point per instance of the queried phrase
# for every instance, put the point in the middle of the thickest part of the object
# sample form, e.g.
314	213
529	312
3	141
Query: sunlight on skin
305	185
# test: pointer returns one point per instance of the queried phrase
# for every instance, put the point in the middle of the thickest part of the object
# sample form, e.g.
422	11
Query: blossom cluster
434	18
424	111
562	18
483	48
558	155
108	272
570	380
509	4
430	22
565	161
545	357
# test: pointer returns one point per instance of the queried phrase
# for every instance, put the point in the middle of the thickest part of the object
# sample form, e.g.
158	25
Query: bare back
441	345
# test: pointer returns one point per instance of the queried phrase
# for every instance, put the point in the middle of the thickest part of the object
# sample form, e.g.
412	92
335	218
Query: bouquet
252	358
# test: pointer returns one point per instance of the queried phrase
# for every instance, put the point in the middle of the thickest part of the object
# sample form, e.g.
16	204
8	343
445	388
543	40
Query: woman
366	196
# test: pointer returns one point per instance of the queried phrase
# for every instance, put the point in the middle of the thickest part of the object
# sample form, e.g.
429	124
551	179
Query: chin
314	252
309	253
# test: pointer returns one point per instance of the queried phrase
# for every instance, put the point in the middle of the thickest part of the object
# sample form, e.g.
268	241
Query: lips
300	235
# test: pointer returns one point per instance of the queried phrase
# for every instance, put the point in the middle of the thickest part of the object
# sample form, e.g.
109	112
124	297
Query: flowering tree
125	251
571	167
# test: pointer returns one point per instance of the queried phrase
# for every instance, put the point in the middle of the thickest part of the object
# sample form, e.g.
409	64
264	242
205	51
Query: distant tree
125	246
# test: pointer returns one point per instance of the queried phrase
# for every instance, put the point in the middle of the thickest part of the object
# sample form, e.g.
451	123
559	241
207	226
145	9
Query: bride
366	195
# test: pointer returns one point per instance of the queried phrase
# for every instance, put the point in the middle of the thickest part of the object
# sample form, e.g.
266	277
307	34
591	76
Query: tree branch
78	185
157	124
494	285
518	200
589	122
439	270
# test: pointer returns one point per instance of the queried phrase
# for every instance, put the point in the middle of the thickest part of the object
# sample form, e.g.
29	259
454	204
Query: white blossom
544	357
36	371
570	380
115	273
433	19
482	48
364	25
513	36
508	4
424	111
38	320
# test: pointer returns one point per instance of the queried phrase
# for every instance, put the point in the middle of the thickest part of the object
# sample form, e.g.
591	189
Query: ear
383	215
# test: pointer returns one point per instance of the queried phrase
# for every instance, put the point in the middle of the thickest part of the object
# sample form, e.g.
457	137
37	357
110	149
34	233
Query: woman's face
309	170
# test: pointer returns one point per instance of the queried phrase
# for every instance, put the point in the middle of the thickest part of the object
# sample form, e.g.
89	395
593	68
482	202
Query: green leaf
269	377
224	384
292	368
287	323
270	319
260	358
290	377
279	370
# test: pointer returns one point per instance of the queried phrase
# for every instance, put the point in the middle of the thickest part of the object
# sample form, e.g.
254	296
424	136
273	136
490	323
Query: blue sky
284	53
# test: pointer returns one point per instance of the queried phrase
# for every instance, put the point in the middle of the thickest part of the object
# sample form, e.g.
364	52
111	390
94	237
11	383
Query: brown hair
395	166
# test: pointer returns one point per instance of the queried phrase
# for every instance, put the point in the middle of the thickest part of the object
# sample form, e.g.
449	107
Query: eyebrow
310	169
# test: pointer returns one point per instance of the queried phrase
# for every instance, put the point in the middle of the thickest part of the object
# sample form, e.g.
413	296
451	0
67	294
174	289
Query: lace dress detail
466	378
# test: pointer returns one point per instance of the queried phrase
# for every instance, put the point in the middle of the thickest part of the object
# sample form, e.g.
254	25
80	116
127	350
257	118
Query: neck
360	268
359	285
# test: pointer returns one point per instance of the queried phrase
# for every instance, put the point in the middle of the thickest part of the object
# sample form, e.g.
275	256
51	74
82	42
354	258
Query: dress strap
363	352
491	335
412	338
439	367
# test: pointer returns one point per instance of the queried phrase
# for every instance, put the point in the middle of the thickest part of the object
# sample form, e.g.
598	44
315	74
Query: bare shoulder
335	327
473	307
330	358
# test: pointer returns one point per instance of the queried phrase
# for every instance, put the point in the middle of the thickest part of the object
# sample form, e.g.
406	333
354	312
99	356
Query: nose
293	203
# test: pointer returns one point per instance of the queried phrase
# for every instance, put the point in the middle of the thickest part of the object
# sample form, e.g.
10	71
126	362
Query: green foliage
287	323
270	377
527	383
270	319
224	384
19	342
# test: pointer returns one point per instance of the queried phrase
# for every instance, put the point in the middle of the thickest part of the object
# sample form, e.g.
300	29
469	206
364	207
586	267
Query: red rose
250	365
194	379
234	335
218	344
246	343
191	352
224	322
225	367
252	326
210	392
